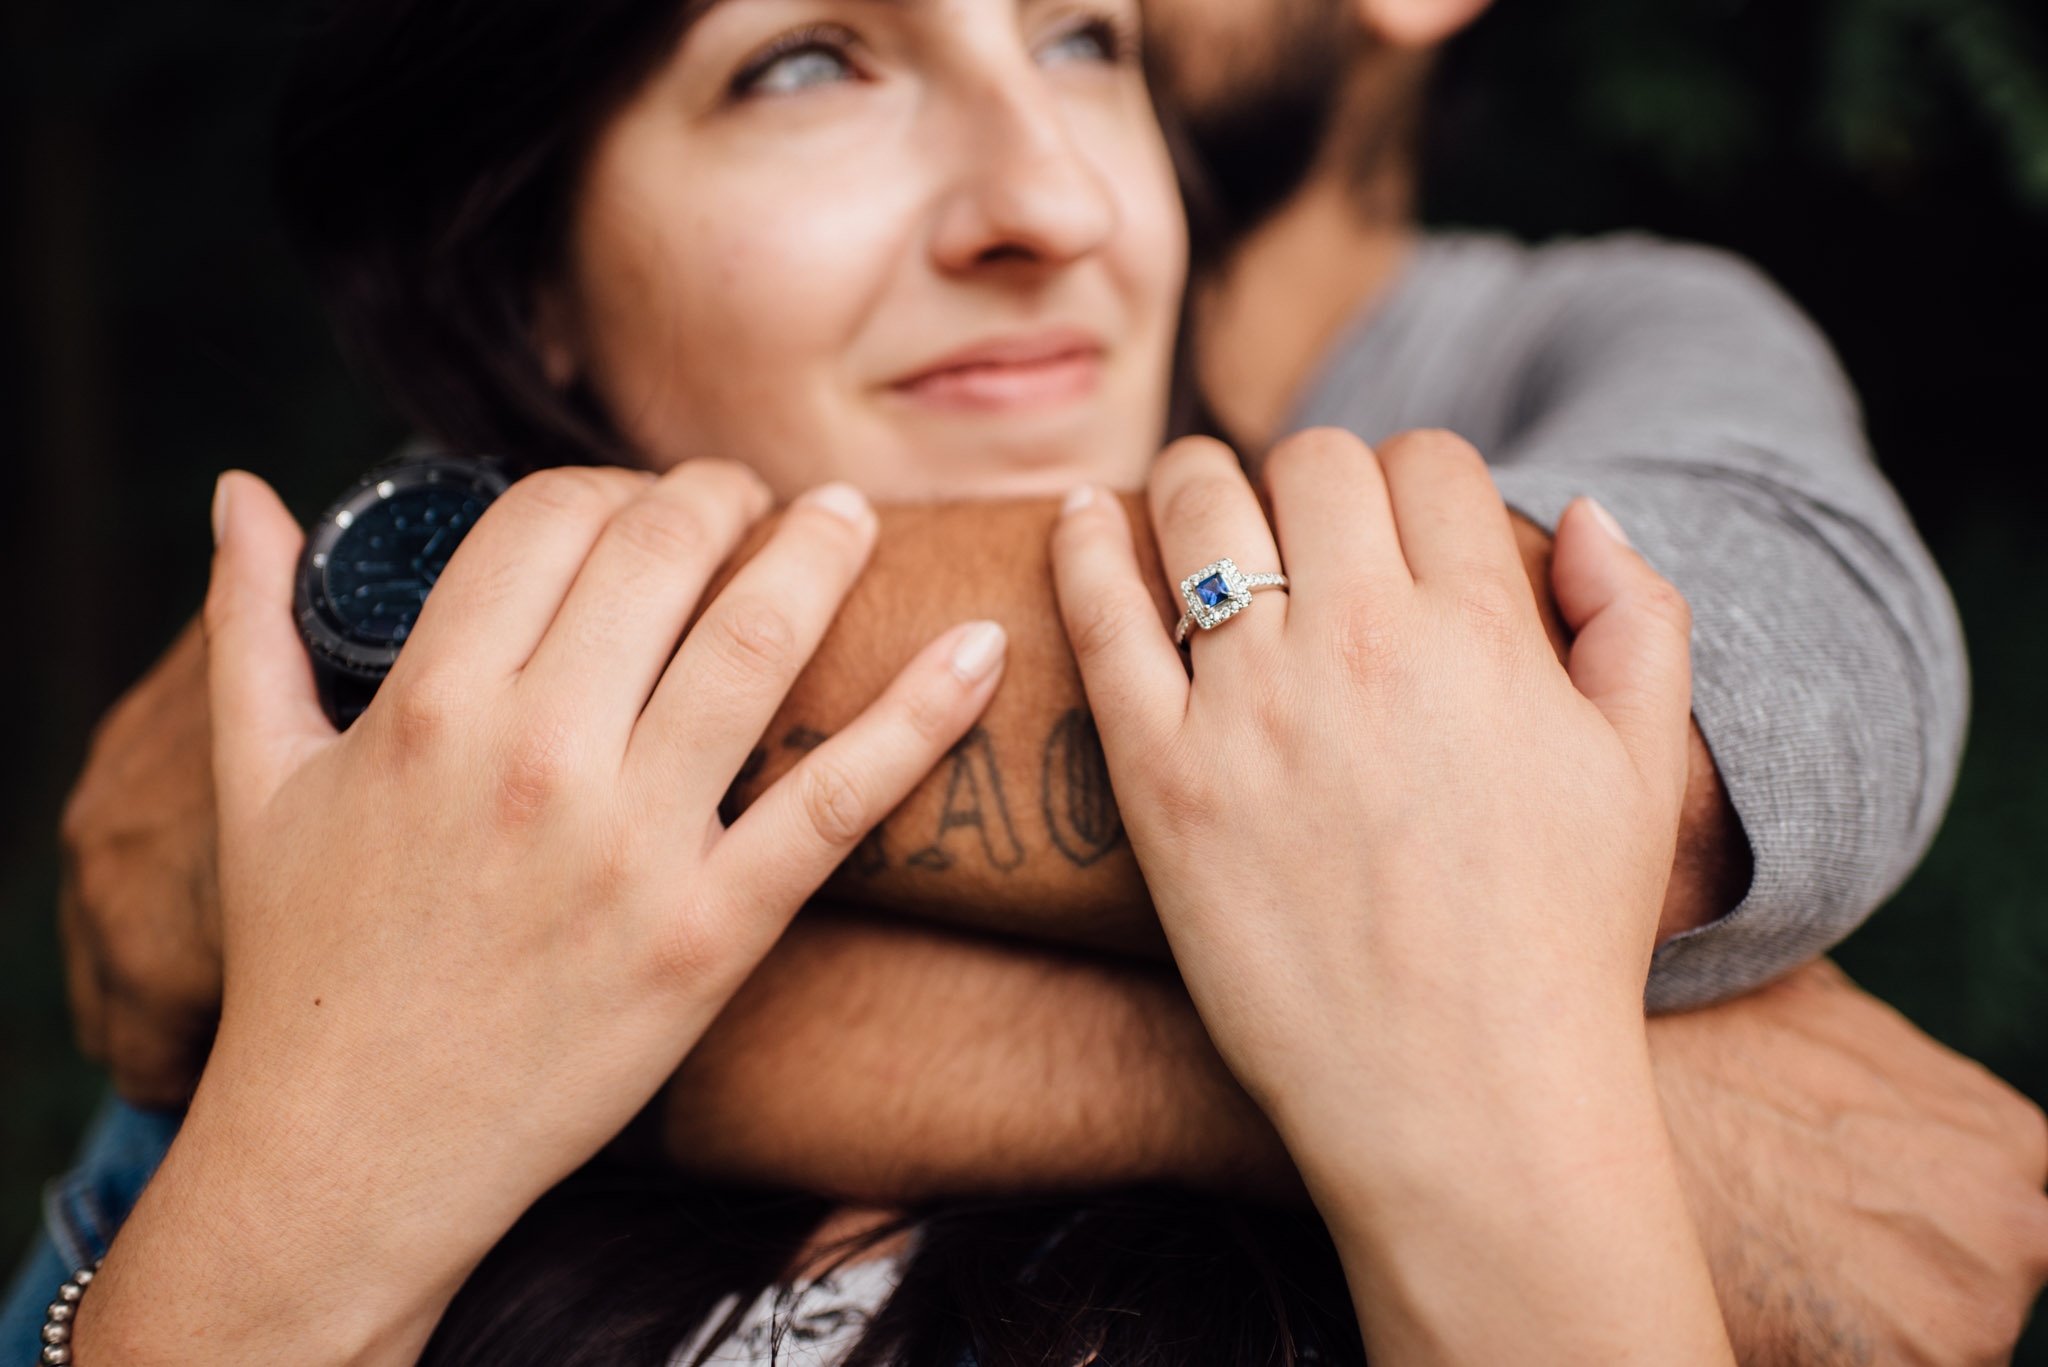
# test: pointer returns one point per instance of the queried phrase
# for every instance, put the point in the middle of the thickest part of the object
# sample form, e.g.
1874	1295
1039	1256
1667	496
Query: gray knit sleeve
1678	387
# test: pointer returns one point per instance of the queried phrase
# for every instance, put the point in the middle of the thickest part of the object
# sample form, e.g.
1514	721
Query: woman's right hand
467	940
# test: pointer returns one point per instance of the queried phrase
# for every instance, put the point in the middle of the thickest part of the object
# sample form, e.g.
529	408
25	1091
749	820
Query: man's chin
1256	108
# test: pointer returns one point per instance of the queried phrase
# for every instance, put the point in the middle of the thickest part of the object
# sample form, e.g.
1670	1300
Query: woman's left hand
1410	868
467	939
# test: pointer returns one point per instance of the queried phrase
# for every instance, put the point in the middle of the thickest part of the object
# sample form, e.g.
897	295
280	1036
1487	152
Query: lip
1004	374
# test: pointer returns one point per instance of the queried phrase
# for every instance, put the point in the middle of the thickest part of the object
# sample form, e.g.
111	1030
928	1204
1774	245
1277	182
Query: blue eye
800	71
798	61
1093	42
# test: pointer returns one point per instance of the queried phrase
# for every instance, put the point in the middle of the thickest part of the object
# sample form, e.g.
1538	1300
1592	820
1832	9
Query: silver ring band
1217	592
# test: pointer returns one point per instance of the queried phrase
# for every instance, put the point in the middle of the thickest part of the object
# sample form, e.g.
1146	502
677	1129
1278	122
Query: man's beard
1256	138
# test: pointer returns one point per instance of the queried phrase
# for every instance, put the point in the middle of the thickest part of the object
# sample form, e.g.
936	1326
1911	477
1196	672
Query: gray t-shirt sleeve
1681	389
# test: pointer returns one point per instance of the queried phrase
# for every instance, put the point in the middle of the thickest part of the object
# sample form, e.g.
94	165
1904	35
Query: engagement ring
1218	592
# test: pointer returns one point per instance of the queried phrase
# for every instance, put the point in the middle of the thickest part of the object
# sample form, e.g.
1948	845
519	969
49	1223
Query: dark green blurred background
1886	160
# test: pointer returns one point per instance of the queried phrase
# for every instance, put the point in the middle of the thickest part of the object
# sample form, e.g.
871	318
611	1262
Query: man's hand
1865	1196
139	906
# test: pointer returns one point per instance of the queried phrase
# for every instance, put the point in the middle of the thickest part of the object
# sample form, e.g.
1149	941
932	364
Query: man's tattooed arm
1017	831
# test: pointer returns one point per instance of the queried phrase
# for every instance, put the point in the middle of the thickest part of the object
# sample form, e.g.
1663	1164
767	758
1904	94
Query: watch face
378	572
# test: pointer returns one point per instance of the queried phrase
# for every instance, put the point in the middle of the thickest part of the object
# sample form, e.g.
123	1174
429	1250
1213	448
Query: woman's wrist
1523	1222
270	1234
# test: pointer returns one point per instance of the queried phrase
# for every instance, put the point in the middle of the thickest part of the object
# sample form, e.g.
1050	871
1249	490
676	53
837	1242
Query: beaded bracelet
57	1320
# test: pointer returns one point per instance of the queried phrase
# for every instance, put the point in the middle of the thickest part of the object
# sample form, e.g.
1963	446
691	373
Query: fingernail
1608	524
1078	497
841	500
976	652
220	507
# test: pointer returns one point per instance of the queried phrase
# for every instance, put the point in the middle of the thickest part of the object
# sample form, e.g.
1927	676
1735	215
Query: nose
1023	193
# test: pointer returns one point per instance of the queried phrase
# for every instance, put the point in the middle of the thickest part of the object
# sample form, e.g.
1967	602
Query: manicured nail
220	507
977	651
1078	497
841	500
1608	524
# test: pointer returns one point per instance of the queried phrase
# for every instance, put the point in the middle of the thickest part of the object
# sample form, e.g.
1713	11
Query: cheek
1149	258
719	296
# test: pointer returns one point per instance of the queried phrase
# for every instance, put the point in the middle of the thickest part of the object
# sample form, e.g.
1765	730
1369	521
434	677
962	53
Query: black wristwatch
370	561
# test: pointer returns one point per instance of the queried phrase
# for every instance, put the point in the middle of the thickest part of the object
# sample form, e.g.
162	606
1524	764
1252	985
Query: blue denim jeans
81	1211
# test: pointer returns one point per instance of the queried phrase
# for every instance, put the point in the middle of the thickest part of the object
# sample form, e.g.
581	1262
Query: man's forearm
1863	1194
1017	832
884	1062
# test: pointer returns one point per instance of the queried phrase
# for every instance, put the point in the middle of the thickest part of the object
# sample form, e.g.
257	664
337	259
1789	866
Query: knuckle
1366	644
1190	453
1202	500
729	479
1491	606
843	543
1664	602
833	803
1184	802
617	855
753	637
1094	628
1315	450
419	710
692	947
563	491
662	530
533	770
1432	445
933	718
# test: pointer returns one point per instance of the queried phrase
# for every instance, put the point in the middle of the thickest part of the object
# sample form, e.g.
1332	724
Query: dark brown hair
618	1267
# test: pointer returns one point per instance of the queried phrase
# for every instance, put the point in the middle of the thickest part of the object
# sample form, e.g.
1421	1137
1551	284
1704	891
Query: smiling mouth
1010	375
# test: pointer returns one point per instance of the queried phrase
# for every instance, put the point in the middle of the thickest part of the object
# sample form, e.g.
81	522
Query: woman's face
933	247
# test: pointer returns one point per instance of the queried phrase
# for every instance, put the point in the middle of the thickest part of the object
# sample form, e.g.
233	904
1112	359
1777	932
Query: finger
738	662
1204	510
1631	655
618	628
1450	517
789	841
259	681
1136	684
1331	514
502	588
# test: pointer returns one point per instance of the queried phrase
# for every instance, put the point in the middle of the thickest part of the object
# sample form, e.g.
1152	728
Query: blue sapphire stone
1212	590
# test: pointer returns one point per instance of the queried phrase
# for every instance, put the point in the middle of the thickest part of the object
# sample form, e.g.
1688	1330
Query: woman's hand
467	940
1427	969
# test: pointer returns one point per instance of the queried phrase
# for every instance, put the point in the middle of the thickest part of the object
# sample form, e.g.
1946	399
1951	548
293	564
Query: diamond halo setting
1217	592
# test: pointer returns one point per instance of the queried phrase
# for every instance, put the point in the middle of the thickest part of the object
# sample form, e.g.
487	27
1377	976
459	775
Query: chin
1030	455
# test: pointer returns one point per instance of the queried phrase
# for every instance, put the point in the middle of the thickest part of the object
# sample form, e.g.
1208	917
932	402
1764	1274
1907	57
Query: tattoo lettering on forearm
1081	816
974	799
1080	810
868	857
